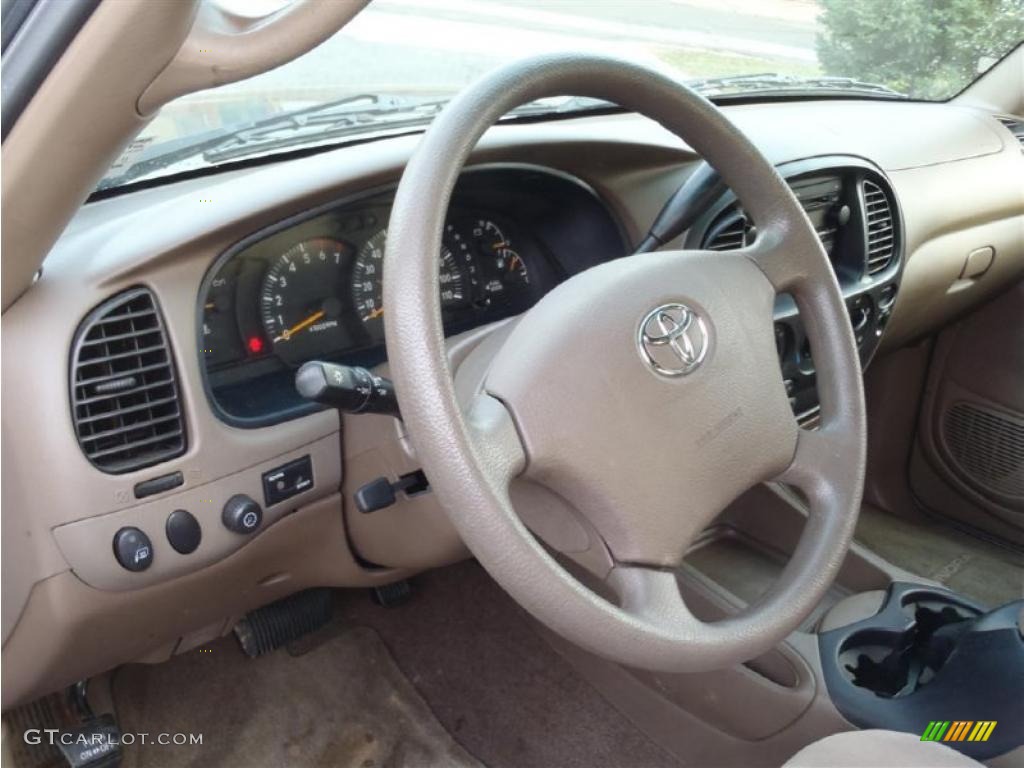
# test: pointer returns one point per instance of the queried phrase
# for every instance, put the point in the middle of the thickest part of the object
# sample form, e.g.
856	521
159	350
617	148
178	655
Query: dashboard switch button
241	514
133	549
183	531
288	480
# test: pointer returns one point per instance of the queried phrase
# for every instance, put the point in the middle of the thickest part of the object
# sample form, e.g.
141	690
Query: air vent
988	446
881	229
1015	126
729	234
819	196
124	393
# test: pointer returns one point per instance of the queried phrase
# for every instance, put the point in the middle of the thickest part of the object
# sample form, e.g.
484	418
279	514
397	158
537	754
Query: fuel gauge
502	269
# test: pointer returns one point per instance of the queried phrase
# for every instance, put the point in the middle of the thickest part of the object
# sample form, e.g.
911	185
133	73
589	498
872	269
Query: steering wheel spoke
651	595
791	260
821	472
500	452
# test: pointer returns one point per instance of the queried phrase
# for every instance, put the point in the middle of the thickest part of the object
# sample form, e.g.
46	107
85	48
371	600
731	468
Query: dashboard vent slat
137	428
125	401
730	237
881	234
1015	126
125	411
117	376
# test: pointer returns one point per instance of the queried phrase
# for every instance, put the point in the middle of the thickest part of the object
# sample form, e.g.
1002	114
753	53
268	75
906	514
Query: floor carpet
495	683
990	574
342	704
456	675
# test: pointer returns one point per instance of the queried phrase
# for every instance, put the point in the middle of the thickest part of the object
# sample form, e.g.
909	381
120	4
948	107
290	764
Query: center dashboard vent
729	234
124	391
820	197
880	227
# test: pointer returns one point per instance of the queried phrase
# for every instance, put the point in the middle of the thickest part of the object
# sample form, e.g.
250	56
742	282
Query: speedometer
454	277
300	303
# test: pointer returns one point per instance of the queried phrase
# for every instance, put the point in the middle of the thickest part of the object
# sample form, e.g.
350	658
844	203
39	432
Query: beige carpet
343	703
986	572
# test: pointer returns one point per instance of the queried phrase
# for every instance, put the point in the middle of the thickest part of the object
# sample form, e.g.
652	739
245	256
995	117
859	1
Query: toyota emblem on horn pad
673	339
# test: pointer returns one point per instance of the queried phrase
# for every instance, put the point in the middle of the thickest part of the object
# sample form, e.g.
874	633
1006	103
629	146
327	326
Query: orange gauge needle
299	326
376	313
514	261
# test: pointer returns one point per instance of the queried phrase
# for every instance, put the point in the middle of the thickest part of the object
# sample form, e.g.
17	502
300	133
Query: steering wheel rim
472	457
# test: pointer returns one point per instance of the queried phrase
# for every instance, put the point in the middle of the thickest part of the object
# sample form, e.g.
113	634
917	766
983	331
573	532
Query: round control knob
133	549
241	514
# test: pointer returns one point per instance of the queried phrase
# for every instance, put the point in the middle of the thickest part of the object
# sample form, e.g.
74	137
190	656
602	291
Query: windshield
392	68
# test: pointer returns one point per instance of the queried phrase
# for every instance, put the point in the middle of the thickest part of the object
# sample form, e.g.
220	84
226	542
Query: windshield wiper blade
771	81
347	116
333	119
352	115
560	105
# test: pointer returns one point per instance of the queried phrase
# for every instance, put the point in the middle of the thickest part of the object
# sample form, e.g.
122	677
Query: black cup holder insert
892	663
930	654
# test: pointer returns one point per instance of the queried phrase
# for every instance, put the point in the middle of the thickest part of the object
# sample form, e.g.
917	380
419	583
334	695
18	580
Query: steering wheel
645	391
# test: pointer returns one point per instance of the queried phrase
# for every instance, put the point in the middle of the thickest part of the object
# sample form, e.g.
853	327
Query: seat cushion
878	749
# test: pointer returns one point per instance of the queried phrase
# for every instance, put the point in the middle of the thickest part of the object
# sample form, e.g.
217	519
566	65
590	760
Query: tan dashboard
71	608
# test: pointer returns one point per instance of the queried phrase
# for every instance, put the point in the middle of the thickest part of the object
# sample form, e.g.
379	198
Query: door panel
968	461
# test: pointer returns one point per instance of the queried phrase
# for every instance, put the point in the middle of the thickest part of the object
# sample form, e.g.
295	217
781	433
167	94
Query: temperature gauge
219	338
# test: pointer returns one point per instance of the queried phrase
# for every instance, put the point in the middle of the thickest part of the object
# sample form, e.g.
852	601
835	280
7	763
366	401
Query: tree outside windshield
927	49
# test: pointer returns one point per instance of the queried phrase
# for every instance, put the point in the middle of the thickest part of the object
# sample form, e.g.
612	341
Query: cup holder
928	653
896	662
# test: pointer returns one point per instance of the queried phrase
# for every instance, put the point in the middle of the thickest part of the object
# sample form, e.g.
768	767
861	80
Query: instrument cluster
313	290
310	287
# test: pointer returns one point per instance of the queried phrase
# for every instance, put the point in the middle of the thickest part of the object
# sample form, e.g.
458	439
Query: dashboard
151	362
309	287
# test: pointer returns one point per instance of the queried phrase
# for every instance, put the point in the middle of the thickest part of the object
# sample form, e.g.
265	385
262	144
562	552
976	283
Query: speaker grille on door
988	446
124	392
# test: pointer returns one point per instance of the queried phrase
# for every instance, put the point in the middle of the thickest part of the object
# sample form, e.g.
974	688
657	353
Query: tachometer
300	302
454	277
